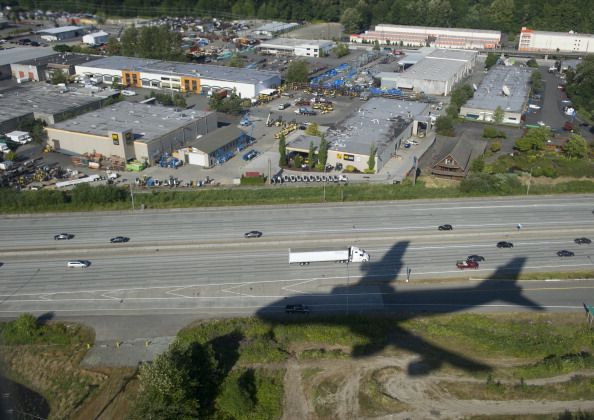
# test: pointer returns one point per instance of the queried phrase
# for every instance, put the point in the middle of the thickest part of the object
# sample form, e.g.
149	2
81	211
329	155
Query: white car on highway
78	264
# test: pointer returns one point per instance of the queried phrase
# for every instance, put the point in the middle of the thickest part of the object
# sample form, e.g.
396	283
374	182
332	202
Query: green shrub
253	180
495	146
491	132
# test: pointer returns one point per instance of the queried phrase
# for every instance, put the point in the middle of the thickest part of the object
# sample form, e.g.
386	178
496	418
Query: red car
467	264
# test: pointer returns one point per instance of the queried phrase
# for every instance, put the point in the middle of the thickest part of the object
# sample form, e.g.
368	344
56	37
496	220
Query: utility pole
132	194
529	180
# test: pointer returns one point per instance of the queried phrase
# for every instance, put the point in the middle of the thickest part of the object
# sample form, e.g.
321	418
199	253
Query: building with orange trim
531	40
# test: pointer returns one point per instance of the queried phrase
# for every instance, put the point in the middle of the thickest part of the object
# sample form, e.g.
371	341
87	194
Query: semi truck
350	254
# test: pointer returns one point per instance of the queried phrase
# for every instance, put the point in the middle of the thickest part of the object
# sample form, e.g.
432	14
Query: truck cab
358	255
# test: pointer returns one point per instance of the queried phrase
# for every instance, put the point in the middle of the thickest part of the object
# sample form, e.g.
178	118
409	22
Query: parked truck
351	254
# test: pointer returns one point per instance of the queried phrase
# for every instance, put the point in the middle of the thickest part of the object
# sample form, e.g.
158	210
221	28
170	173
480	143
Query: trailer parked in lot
351	254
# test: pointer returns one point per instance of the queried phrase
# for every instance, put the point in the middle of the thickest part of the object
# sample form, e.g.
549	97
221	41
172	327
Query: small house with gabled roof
454	162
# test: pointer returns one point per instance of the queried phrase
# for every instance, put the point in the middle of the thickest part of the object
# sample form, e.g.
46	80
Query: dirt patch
435	182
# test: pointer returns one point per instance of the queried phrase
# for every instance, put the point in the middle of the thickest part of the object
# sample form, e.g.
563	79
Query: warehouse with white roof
297	47
506	87
61	33
531	40
435	74
183	77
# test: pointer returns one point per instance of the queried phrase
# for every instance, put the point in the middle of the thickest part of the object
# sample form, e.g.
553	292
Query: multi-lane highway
198	262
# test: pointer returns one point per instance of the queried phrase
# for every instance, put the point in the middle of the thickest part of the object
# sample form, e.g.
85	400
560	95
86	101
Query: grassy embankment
517	348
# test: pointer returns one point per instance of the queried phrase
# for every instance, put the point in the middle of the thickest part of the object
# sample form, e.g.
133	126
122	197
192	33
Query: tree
10	155
282	150
536	80
501	13
129	42
313	129
498	115
491	60
311	156
58	76
352	20
113	46
236	61
576	147
297	72
444	126
371	160
323	154
341	50
477	165
532	63
534	139
580	86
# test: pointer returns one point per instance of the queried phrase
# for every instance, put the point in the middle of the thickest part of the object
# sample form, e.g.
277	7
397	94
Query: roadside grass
547	164
566	415
544	344
46	358
373	399
314	354
577	388
324	396
529	336
251	394
566	275
44	201
308	373
553	365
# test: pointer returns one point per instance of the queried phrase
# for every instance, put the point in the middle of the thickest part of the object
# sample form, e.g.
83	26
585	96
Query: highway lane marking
395	292
237	309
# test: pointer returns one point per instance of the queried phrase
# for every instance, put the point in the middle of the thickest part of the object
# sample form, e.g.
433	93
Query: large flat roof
45	99
174	68
440	64
276	26
379	121
148	122
214	140
293	42
14	55
489	94
59	30
431	29
565	34
64	59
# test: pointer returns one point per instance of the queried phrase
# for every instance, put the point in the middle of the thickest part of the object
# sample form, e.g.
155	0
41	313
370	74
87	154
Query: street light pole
132	195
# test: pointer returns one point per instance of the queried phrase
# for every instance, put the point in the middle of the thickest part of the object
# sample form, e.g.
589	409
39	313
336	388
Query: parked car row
279	179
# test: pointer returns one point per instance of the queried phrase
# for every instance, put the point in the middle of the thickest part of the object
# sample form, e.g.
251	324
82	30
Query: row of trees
157	42
580	87
357	15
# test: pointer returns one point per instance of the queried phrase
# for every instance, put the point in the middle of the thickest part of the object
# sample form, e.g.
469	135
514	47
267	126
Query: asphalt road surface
198	262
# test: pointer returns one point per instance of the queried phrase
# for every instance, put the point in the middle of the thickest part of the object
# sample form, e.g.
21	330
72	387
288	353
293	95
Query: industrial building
215	147
504	87
183	77
420	36
13	55
435	74
272	29
43	68
130	131
96	38
48	103
382	124
61	33
297	47
531	40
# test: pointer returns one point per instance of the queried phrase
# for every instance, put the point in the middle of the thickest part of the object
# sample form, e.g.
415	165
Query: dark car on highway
504	244
297	309
445	227
475	258
63	236
565	253
582	241
119	239
253	234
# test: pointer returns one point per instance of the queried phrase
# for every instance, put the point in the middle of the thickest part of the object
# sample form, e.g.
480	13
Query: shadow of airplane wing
378	278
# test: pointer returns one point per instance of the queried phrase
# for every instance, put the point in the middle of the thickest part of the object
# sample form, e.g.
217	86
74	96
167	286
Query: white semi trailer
351	254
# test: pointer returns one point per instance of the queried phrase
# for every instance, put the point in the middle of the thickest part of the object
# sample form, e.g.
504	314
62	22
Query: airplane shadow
374	309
